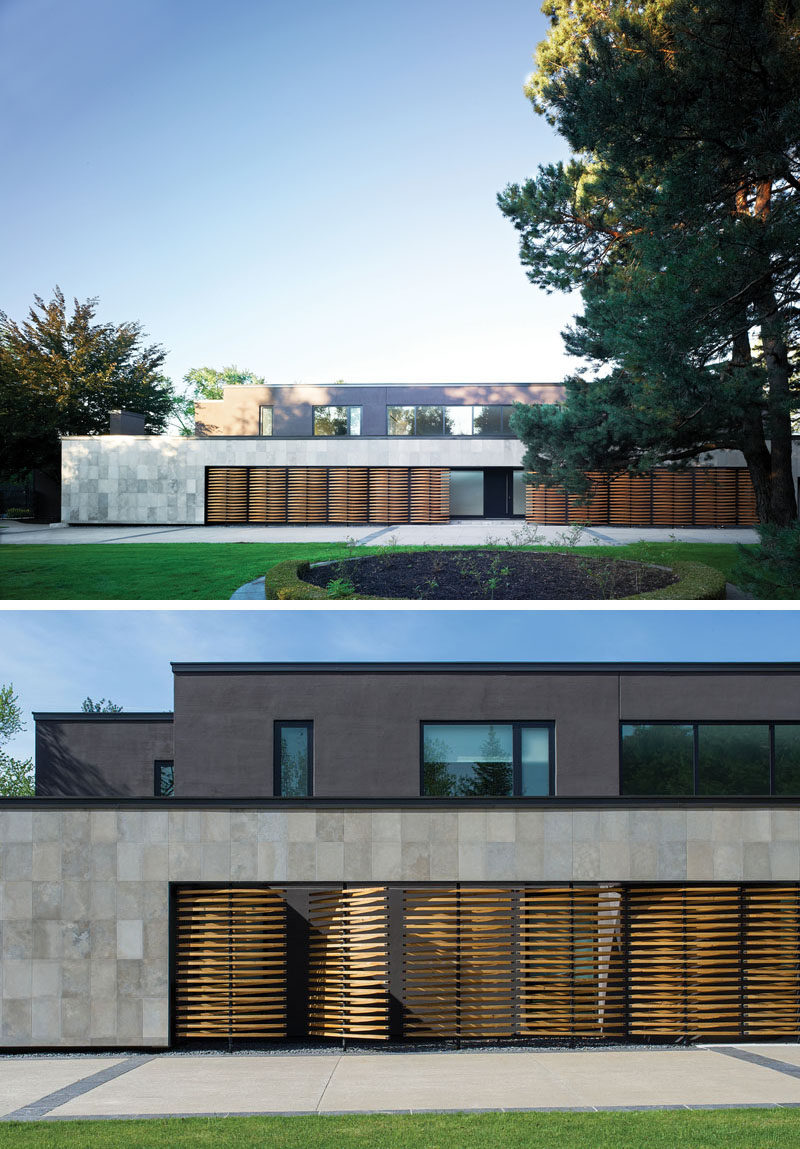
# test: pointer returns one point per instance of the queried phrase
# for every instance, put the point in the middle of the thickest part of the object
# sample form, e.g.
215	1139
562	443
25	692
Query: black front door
497	493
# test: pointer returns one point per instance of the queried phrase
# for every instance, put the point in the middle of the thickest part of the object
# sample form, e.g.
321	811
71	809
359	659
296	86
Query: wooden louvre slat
429	492
594	507
771	957
349	963
230	963
307	495
546	505
348	495
571	981
458	973
266	495
226	495
747	515
714	496
388	495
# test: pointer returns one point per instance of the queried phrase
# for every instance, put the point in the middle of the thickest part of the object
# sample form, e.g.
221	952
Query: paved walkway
459	532
145	1085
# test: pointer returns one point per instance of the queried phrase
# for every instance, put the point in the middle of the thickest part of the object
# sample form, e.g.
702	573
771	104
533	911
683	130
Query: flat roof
485	667
107	716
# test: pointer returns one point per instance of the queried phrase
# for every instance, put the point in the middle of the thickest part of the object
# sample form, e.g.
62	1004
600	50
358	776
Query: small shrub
340	588
18	513
771	568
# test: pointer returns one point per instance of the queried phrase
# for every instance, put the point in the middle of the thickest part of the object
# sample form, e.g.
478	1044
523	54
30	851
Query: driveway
459	532
406	1081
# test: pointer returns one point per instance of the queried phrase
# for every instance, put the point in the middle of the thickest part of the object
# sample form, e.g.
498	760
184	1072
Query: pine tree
678	218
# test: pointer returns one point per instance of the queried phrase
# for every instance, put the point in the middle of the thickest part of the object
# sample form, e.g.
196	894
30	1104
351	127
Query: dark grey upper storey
367	720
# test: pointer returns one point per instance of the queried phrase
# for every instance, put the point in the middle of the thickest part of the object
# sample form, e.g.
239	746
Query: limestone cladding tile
386	860
357	826
500	826
528	860
357	861
330	861
273	861
784	860
302	825
386	826
244	861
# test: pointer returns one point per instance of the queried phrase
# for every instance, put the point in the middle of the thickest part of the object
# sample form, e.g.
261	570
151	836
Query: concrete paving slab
778	1051
446	1081
23	1081
209	1084
669	1077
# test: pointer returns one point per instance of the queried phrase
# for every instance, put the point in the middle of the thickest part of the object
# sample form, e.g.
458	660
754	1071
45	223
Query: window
265	420
710	758
486	759
293	759
437	420
337	420
164	782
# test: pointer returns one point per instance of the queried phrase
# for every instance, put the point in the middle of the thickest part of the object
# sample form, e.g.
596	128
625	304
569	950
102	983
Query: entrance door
497	493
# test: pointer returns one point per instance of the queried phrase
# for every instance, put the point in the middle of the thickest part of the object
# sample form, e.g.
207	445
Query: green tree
62	374
16	775
678	218
208	383
104	706
493	775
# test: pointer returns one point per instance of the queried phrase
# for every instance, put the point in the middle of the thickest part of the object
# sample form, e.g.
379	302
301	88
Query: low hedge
695	581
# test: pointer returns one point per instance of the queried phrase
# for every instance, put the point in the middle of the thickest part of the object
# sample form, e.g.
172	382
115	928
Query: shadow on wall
66	776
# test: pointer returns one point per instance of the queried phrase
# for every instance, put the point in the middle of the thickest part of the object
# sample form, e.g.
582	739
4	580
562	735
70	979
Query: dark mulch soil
492	574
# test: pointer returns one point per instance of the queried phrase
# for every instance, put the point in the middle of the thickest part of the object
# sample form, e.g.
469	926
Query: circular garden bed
492	574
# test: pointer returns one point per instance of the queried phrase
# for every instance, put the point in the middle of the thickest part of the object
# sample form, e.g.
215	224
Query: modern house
559	852
373	454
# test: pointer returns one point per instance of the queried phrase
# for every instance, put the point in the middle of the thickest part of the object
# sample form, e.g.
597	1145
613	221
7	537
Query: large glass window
164	779
293	759
265	420
466	493
337	420
657	759
488	420
732	759
400	420
787	759
710	758
430	421
518	492
485	759
458	420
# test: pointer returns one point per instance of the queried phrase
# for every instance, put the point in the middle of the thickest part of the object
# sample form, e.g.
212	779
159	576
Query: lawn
718	1129
215	570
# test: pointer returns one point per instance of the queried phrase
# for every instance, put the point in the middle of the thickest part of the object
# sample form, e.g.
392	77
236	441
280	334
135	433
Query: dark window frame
504	408
517	725
695	724
326	406
278	725
158	767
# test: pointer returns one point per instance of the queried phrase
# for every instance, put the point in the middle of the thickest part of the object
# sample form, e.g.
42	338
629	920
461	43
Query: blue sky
56	658
305	189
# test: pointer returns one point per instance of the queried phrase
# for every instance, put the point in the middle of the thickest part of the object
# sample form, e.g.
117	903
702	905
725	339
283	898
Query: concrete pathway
459	532
145	1085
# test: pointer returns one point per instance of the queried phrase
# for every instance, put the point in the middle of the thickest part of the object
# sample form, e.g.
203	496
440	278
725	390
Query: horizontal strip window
437	421
337	421
710	758
487	760
265	421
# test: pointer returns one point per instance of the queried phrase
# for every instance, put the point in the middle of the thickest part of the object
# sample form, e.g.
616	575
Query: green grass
215	570
719	1129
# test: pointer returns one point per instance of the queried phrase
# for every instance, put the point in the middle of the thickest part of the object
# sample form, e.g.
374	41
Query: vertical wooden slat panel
226	495
307	495
266	495
771	952
571	980
230	963
429	494
349	963
348	495
388	495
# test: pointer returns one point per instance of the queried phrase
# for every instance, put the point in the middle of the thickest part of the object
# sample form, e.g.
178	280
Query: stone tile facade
85	891
161	479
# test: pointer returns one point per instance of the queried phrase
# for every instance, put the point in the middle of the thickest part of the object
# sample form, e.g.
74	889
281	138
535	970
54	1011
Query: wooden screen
429	494
348	992
348	494
458	969
771	960
698	496
230	963
307	495
226	495
571	980
266	489
388	495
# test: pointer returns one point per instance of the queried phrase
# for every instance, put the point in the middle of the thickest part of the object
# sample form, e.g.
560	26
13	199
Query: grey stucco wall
161	478
85	892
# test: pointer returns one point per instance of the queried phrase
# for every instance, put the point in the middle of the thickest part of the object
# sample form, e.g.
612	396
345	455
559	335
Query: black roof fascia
165	716
554	802
486	667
